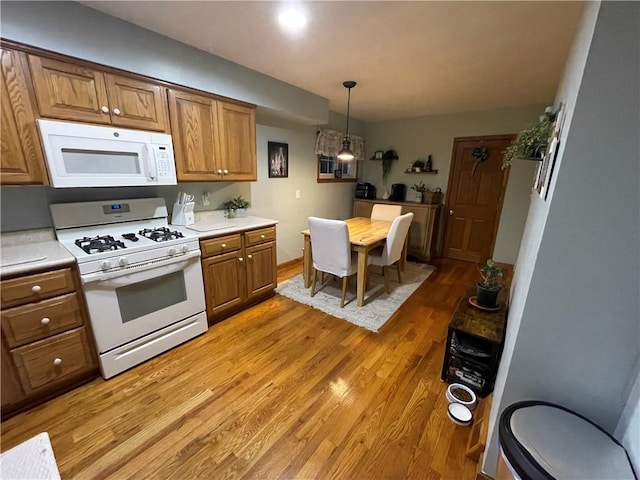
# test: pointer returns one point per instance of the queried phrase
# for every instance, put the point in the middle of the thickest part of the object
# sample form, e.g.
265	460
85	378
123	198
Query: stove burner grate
101	243
161	234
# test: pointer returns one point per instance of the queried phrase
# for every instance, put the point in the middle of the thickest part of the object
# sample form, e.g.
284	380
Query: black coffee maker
397	192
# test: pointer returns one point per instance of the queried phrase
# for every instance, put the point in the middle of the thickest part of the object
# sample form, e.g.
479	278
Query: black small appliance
397	192
365	190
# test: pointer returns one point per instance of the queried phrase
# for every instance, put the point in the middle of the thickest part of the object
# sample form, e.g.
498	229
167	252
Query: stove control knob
106	265
184	248
123	261
172	251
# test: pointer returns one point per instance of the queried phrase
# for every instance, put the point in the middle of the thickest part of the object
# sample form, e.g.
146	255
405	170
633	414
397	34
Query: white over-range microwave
80	155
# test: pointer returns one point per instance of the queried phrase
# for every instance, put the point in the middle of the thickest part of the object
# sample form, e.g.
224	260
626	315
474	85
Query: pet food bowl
470	404
459	414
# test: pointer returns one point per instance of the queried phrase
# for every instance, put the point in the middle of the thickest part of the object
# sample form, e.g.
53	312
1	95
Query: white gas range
141	278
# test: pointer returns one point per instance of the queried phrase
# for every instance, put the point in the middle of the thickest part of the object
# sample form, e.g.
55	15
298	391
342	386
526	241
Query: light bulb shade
346	153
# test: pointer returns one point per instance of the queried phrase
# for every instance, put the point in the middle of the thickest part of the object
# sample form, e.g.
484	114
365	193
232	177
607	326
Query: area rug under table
379	305
31	460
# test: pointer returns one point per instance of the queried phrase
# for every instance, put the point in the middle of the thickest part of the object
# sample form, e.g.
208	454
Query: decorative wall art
278	160
546	168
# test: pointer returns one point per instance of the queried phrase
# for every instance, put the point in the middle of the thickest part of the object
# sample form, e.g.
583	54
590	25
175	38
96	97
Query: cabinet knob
226	172
249	257
240	259
262	236
450	212
223	245
45	321
219	172
57	362
116	111
36	289
105	109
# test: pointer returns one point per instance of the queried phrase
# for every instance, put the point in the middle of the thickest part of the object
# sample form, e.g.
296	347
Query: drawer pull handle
36	289
45	321
262	236
223	245
57	362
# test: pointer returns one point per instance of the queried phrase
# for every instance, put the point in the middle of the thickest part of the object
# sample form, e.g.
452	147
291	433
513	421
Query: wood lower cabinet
22	161
213	140
423	233
46	342
74	91
238	270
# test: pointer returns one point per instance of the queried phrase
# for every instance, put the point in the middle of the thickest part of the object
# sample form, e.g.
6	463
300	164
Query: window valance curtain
329	143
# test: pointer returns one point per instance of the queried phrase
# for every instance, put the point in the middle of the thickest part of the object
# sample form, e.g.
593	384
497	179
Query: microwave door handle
150	161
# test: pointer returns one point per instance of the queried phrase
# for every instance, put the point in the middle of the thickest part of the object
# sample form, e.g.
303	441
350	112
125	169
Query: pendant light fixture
346	154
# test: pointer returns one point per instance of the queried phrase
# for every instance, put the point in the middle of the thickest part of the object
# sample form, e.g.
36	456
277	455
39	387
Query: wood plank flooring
278	391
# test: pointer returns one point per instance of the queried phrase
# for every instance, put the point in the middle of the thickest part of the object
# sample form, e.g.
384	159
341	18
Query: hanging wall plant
531	143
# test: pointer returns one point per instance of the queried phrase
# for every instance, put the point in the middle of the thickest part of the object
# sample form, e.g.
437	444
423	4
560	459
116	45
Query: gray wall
415	138
573	333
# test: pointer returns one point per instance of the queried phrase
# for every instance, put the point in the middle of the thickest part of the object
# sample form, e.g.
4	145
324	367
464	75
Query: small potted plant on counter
488	289
419	188
236	207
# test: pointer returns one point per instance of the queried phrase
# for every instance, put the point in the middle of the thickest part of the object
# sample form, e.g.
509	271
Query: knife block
183	214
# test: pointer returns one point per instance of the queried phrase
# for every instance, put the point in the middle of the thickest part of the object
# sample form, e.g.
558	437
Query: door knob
450	212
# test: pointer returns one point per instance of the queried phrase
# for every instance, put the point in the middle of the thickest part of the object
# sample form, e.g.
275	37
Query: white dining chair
390	254
331	251
382	211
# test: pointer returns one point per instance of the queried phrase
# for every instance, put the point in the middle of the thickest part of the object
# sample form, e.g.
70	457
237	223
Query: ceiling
410	59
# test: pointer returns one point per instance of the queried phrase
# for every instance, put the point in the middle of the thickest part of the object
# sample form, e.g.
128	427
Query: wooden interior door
474	198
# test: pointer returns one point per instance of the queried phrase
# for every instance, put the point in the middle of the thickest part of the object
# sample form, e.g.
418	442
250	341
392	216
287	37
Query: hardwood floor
278	391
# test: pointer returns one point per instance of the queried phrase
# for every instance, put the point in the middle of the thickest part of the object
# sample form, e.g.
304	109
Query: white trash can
540	440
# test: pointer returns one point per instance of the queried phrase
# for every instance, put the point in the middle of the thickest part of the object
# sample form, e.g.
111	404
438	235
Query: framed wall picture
278	160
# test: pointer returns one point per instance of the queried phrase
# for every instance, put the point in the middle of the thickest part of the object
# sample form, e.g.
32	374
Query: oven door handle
175	262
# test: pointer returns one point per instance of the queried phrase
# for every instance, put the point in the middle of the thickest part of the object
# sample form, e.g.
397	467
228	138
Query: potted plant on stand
492	280
236	207
419	188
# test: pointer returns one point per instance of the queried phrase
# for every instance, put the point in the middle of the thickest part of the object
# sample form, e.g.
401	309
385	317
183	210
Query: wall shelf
432	172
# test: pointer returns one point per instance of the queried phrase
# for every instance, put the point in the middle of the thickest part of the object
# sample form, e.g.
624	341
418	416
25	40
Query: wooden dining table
364	234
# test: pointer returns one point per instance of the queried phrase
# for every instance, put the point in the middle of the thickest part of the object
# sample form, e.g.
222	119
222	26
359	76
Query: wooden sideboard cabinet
423	234
46	343
238	270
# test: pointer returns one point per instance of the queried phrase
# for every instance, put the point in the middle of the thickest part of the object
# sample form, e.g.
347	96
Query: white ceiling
410	59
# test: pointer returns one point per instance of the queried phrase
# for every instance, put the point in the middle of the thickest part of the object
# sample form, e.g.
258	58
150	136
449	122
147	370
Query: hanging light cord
348	106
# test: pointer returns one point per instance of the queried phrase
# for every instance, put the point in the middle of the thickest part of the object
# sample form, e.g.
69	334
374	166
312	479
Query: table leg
307	262
363	253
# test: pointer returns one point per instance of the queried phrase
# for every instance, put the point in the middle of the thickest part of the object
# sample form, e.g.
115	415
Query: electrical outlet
297	193
206	199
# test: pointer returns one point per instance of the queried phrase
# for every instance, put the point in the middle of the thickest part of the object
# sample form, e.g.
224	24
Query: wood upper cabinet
212	140
22	161
194	127
237	127
70	91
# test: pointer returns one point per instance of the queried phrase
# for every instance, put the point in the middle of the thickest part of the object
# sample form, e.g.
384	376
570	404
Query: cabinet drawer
216	246
259	236
32	322
33	288
52	361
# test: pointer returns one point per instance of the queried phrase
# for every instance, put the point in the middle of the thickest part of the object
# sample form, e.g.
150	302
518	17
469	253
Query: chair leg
398	268
313	282
385	272
345	281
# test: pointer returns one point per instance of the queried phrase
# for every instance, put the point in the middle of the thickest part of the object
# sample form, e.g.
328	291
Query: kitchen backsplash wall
26	208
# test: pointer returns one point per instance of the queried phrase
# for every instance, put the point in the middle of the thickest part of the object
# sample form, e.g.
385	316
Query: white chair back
396	237
330	246
382	211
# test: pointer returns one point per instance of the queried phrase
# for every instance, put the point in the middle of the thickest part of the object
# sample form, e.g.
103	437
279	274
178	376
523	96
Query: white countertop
213	224
31	250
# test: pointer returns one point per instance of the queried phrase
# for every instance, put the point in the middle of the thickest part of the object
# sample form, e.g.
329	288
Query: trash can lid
543	440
